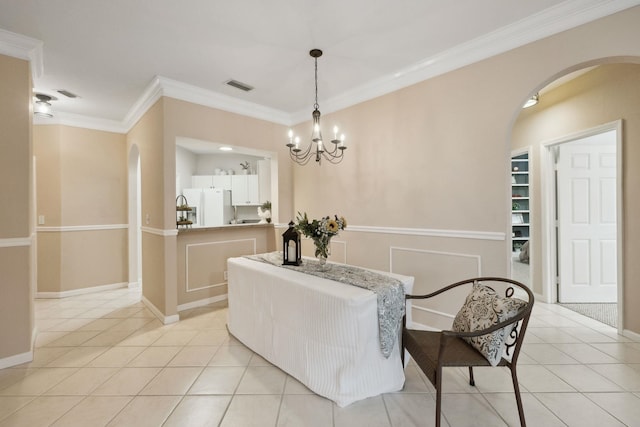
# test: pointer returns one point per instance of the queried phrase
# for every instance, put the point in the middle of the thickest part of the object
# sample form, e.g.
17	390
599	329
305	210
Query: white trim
17	359
134	285
550	21
421	327
436	312
159	231
81	291
630	334
548	208
16	242
151	94
81	121
23	47
532	190
186	262
458	234
478	258
208	98
202	302
82	228
164	319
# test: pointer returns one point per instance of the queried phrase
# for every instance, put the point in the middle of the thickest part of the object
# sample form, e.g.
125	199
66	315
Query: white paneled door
586	179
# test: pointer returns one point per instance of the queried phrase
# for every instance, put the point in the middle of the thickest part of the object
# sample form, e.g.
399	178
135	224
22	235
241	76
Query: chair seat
424	346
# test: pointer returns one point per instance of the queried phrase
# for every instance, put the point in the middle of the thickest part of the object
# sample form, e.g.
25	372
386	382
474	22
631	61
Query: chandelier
316	148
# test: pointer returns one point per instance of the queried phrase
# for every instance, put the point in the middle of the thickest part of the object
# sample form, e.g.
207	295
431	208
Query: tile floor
103	359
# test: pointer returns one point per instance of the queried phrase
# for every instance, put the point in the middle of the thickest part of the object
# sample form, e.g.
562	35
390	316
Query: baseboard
201	302
81	291
164	319
17	359
421	327
630	334
134	285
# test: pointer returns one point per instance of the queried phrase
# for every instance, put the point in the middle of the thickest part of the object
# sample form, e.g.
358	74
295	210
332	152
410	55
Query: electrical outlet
41	220
147	219
225	275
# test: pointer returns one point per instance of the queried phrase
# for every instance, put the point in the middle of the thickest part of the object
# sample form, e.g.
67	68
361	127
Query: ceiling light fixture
42	107
334	155
531	101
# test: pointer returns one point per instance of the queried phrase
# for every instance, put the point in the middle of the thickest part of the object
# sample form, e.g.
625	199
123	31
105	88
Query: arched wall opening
598	93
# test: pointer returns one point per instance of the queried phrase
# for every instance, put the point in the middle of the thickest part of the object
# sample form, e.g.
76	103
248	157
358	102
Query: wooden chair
433	350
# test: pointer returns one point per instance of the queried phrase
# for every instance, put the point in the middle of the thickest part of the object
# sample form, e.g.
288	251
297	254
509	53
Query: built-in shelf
520	213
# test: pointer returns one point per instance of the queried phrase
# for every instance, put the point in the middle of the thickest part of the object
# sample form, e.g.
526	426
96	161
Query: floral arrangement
321	231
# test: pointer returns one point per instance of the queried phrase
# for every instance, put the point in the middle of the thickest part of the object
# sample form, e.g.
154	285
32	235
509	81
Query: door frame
548	208
532	188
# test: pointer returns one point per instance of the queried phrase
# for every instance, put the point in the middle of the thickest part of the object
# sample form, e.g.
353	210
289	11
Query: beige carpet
602	312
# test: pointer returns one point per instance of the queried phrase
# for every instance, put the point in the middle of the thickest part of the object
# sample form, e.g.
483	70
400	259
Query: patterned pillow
482	309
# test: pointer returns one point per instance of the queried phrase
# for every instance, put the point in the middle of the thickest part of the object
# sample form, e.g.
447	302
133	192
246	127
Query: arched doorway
584	101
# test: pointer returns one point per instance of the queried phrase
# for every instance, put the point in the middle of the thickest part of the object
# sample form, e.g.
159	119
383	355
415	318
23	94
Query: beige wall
147	135
82	195
202	258
425	184
16	214
605	94
434	157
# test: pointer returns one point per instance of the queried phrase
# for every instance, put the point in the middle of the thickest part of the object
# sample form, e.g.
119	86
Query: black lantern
291	250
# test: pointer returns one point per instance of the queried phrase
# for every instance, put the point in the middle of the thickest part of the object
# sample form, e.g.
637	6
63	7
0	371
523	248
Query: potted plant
264	212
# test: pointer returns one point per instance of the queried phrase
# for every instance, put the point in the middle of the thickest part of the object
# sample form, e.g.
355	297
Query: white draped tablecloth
321	332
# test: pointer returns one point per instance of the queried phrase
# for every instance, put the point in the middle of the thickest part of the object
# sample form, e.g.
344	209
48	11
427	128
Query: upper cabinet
245	190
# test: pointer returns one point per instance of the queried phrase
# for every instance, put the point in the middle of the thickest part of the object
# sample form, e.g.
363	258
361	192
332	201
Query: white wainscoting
220	248
403	260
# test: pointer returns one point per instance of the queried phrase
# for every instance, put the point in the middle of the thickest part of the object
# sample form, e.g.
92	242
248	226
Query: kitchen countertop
222	227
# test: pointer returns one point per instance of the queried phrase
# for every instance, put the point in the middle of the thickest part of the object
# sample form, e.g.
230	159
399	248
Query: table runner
389	291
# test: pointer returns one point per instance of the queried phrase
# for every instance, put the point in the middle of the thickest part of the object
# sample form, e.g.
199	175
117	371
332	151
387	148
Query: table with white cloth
322	332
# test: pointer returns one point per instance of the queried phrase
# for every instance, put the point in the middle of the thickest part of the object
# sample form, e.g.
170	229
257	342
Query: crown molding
207	98
81	121
562	17
23	47
151	94
553	20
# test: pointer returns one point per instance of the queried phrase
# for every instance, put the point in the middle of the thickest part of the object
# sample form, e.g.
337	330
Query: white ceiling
112	54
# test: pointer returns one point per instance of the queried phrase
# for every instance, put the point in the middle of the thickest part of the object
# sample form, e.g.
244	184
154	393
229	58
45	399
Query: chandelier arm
334	159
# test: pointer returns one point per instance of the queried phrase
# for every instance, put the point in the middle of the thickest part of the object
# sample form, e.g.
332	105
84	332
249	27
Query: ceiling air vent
67	93
239	85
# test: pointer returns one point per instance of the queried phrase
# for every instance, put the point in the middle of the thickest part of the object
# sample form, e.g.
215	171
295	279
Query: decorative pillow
482	309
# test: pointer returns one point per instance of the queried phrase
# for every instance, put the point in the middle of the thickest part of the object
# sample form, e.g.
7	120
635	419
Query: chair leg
438	396
472	382
516	389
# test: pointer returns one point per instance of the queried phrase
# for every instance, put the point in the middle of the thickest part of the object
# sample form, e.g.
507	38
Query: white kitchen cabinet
222	181
202	181
245	190
264	180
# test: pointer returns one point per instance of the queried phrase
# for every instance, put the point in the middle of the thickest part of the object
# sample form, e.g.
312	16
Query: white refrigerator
211	206
216	207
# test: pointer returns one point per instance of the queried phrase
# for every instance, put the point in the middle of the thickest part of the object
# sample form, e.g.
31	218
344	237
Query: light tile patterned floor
103	359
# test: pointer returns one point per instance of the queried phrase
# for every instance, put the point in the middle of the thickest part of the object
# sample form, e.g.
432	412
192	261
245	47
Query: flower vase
322	252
